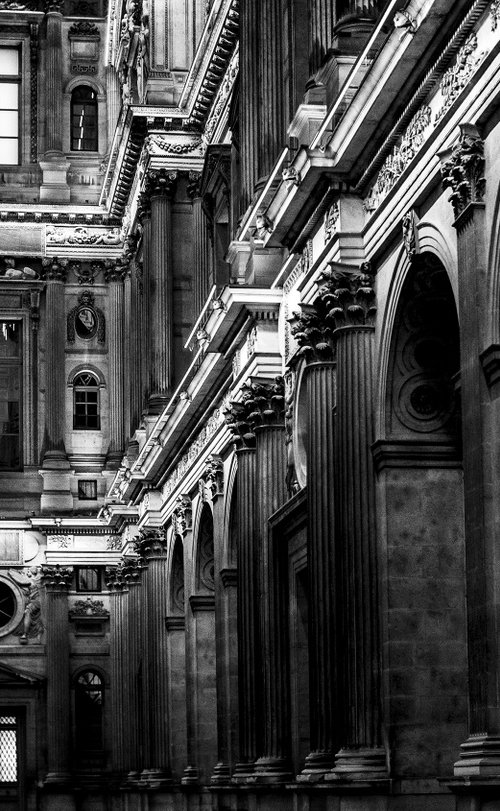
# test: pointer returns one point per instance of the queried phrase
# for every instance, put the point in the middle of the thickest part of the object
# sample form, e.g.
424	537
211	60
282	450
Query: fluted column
270	61
249	100
349	297
132	569
118	640
54	271
268	419
53	68
315	338
201	252
114	275
152	546
249	659
57	581
322	21
161	188
464	172
113	100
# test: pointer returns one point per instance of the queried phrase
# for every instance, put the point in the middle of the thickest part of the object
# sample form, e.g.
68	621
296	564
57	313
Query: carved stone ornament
115	270
402	19
495	14
182	515
160	181
410	235
54	269
463	172
160	146
263	226
458	76
83	28
332	217
88	608
80	235
193	187
32	625
86	320
212	478
151	543
290	176
57	578
345	298
86	272
262	404
127	573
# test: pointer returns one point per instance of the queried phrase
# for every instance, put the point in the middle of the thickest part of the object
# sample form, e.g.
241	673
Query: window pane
8	756
9	96
9	123
9	62
10	338
9	151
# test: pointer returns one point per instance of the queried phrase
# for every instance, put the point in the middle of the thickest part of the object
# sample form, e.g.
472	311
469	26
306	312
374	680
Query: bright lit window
10	83
84	119
86	402
8	749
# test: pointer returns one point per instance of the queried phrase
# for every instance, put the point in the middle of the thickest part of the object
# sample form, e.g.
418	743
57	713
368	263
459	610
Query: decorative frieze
161	146
458	77
80	235
160	182
88	608
463	172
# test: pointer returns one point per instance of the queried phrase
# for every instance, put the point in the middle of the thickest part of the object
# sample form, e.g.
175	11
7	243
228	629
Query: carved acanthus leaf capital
151	543
182	515
194	185
463	171
262	404
57	578
115	270
113	577
55	269
160	182
212	478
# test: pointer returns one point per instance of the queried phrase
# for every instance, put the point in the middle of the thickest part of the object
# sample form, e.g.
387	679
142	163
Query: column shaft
143	335
132	723
274	765
271	107
249	661
359	667
116	378
161	304
55	390
118	633
249	101
201	265
322	20
52	88
321	567
58	695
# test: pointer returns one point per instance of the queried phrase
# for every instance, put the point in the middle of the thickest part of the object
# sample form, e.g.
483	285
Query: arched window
89	705
84	119
86	402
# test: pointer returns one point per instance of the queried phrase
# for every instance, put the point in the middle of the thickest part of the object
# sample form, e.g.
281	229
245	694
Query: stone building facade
249	384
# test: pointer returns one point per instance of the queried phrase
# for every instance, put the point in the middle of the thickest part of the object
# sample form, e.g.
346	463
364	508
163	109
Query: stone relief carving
410	235
290	176
212	478
457	77
332	217
495	14
88	608
262	403
86	272
182	515
86	320
60	541
81	235
30	582
221	98
83	28
160	145
463	172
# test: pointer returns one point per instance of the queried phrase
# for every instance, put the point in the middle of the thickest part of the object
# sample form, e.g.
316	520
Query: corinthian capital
463	171
262	404
160	182
57	578
151	543
55	269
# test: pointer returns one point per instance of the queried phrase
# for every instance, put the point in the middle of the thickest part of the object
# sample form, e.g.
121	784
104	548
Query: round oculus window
8	605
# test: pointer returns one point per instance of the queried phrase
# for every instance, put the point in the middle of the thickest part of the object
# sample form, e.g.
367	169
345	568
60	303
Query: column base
271	770
155	778
316	766
114	460
221	775
190	776
360	764
242	772
479	757
54	779
157	403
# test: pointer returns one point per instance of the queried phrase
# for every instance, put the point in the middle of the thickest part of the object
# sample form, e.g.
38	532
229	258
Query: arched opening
176	652
421	526
89	719
84	129
177	579
205	558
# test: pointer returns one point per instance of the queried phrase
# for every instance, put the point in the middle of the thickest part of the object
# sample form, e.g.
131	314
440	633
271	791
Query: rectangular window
86	409
87	490
10	86
8	749
88	578
10	394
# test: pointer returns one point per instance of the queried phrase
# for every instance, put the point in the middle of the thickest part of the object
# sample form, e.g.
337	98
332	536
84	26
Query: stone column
113	100
315	337
54	165
132	571
270	112
268	420
114	275
249	101
56	495
161	189
142	276
57	581
322	21
463	171
201	250
152	546
349	297
118	642
249	662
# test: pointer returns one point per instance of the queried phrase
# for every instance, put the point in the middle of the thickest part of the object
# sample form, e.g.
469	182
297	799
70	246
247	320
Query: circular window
11	609
86	322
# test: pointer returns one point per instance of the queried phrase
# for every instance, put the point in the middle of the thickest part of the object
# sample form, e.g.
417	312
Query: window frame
95	104
18	363
14	45
77	387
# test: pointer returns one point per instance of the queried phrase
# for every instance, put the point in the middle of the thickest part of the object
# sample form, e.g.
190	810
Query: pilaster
463	172
54	188
201	247
114	274
118	642
57	581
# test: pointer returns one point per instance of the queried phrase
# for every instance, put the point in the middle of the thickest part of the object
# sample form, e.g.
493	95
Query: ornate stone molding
160	182
54	269
212	479
410	236
80	235
86	304
332	217
495	14
84	28
57	578
88	608
262	404
115	271
463	171
458	77
182	515
194	185
85	272
291	177
162	146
